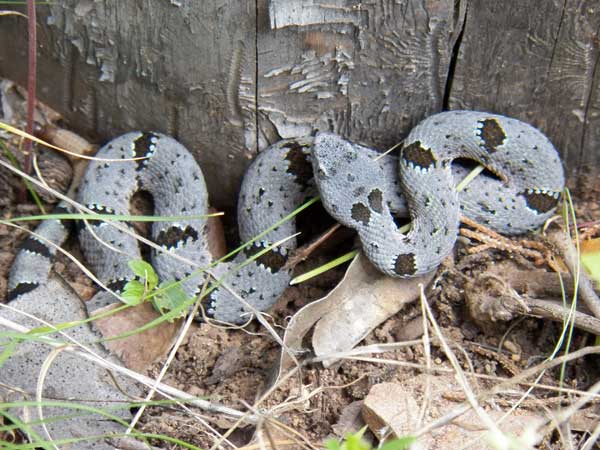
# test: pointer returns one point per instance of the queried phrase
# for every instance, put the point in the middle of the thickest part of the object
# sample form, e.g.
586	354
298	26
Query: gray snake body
356	189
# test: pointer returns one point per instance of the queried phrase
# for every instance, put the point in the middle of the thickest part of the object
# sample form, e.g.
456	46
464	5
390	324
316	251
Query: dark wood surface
229	77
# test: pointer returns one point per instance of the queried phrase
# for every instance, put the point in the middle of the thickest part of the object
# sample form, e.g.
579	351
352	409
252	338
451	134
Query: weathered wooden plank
228	78
537	61
367	70
187	70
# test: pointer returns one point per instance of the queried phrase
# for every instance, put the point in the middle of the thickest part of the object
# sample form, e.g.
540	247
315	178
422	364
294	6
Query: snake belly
358	189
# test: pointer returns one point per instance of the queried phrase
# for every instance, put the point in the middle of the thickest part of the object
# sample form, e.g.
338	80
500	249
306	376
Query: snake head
327	151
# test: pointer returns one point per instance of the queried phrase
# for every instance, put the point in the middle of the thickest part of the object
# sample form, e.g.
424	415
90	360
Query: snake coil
357	189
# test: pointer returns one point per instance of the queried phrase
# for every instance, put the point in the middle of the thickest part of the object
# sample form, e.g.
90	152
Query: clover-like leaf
133	293
145	271
169	296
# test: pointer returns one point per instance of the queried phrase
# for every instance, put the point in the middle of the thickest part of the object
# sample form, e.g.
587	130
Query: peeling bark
229	78
111	67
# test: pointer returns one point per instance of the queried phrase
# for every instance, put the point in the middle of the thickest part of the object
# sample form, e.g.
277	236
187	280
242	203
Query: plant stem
31	80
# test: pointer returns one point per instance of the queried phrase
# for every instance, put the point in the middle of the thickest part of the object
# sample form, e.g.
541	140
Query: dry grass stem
163	389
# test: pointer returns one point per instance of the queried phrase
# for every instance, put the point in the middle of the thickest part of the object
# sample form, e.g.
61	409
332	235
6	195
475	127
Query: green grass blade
41	331
23	426
324	268
111	217
404	229
8	350
175	313
39	441
291	215
13	160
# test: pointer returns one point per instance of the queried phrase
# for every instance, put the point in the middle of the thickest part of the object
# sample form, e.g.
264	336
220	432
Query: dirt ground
233	366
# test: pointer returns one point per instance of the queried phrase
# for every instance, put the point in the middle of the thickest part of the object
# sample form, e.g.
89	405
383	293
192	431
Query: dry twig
534	250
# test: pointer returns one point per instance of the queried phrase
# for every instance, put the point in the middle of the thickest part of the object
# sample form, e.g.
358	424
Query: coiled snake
356	189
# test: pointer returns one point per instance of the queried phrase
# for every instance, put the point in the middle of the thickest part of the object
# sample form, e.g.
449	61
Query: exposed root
538	252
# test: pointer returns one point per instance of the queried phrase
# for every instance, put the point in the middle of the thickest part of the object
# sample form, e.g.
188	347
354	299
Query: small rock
390	410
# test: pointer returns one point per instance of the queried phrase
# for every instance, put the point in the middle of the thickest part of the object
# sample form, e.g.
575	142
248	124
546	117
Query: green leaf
355	442
332	444
169	296
352	441
324	268
398	444
145	271
133	293
8	351
360	433
51	329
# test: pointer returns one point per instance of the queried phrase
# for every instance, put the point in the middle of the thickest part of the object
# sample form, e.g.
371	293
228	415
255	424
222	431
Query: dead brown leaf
361	301
139	350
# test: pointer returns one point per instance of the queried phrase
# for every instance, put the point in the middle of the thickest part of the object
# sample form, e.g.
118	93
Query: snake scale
358	189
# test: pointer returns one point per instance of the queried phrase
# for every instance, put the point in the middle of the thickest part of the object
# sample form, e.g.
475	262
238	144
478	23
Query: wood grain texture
228	78
537	61
186	70
367	70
